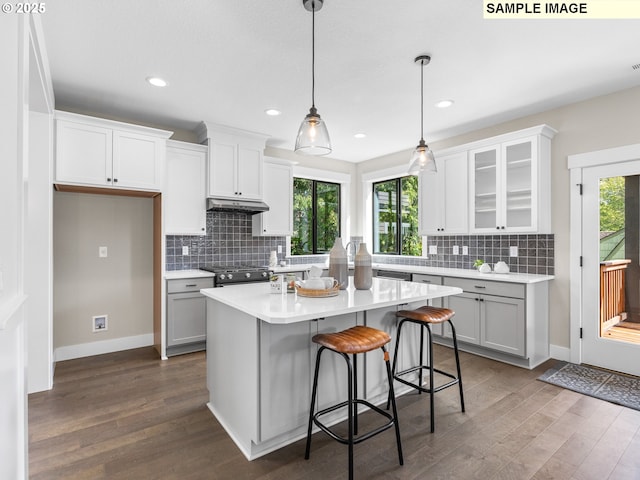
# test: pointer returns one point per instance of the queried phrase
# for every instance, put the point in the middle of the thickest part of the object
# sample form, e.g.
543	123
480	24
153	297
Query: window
316	216
395	202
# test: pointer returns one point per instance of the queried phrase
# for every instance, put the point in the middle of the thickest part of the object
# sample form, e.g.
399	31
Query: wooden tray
308	292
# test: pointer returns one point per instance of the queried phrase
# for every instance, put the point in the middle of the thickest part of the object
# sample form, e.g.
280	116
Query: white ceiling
227	61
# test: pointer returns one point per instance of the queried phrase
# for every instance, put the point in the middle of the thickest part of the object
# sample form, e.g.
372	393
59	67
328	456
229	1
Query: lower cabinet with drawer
186	315
505	321
490	314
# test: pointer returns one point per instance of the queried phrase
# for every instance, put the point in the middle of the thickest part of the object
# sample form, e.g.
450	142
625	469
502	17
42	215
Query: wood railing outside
612	299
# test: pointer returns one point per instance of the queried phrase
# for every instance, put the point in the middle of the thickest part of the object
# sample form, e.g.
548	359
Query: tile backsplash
535	252
229	241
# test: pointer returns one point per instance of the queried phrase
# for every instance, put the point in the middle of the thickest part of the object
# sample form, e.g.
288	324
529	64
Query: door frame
576	164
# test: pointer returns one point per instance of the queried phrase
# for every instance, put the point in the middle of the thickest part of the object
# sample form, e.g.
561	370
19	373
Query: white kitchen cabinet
443	197
235	162
509	183
278	194
184	193
103	153
436	302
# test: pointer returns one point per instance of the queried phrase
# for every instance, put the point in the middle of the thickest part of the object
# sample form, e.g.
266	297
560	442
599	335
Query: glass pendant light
313	137
422	159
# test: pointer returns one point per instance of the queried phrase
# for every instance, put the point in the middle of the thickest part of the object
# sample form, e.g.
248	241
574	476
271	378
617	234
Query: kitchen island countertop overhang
283	308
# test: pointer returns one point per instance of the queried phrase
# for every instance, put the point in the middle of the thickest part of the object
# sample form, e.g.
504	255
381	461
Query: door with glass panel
611	267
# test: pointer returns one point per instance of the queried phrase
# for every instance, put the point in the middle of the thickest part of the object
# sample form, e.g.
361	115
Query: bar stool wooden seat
353	341
425	317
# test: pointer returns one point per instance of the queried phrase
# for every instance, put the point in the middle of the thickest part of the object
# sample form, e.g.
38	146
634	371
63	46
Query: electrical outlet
465	250
102	252
100	323
185	250
456	250
513	251
433	249
279	248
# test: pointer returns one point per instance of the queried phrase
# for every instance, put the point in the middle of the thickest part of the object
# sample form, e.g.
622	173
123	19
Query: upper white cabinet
184	193
278	194
443	197
235	161
509	180
103	153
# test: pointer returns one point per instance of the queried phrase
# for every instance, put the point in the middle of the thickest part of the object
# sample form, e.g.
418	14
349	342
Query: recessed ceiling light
444	103
272	112
157	81
360	135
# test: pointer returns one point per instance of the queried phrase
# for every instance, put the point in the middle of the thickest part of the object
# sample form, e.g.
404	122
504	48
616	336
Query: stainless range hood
234	205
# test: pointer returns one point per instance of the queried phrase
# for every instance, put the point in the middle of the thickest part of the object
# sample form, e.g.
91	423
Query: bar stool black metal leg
355	395
350	406
314	391
421	359
431	380
455	349
395	359
392	398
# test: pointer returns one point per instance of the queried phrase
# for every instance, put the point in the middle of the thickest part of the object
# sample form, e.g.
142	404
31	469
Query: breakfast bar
260	356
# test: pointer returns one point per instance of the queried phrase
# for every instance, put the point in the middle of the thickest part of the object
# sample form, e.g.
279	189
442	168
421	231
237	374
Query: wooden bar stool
425	317
355	340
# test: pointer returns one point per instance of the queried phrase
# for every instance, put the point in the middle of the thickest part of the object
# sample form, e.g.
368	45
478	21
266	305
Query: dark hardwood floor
129	415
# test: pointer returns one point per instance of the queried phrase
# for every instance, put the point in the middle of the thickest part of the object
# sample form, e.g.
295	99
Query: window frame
342	179
368	179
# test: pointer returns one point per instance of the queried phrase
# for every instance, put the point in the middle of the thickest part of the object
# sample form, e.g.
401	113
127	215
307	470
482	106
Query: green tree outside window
395	217
316	216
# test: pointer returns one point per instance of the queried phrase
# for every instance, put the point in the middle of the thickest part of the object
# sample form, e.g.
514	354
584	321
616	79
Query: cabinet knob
502	227
203	229
497	228
108	179
115	180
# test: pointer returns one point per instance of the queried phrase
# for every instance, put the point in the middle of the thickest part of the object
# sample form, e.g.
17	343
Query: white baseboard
69	352
560	353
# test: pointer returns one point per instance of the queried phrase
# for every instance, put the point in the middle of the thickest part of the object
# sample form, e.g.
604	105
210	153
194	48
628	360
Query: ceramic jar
338	268
363	273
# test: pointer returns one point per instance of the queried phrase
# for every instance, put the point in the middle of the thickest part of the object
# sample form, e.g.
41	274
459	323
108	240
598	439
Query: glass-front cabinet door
504	187
519	187
485	171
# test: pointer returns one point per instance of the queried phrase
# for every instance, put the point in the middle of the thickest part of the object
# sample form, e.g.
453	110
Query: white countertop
180	274
257	300
444	272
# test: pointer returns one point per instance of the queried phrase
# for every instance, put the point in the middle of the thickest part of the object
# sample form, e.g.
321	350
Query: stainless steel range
234	274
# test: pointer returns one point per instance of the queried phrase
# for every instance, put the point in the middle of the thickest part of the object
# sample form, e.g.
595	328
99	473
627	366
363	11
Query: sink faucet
349	253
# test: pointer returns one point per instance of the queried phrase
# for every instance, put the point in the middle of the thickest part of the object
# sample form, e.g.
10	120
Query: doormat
613	387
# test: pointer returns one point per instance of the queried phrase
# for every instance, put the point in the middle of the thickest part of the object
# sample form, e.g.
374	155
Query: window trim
344	180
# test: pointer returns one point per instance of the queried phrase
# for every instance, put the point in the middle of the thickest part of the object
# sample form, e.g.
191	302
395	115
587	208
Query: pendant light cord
313	55
422	100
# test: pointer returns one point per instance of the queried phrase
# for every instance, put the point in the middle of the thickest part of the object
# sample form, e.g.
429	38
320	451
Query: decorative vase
338	268
363	273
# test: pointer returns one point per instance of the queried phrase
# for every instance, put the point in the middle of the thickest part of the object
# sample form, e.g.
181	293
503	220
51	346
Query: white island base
260	357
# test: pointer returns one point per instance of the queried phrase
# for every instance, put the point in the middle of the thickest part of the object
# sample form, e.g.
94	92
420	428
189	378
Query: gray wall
86	285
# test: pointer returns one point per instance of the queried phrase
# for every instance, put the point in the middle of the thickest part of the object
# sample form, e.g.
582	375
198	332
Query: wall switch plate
102	252
513	251
279	248
465	250
433	249
185	250
456	250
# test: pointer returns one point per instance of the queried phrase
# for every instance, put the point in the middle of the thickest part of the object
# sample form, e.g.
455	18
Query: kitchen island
260	356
